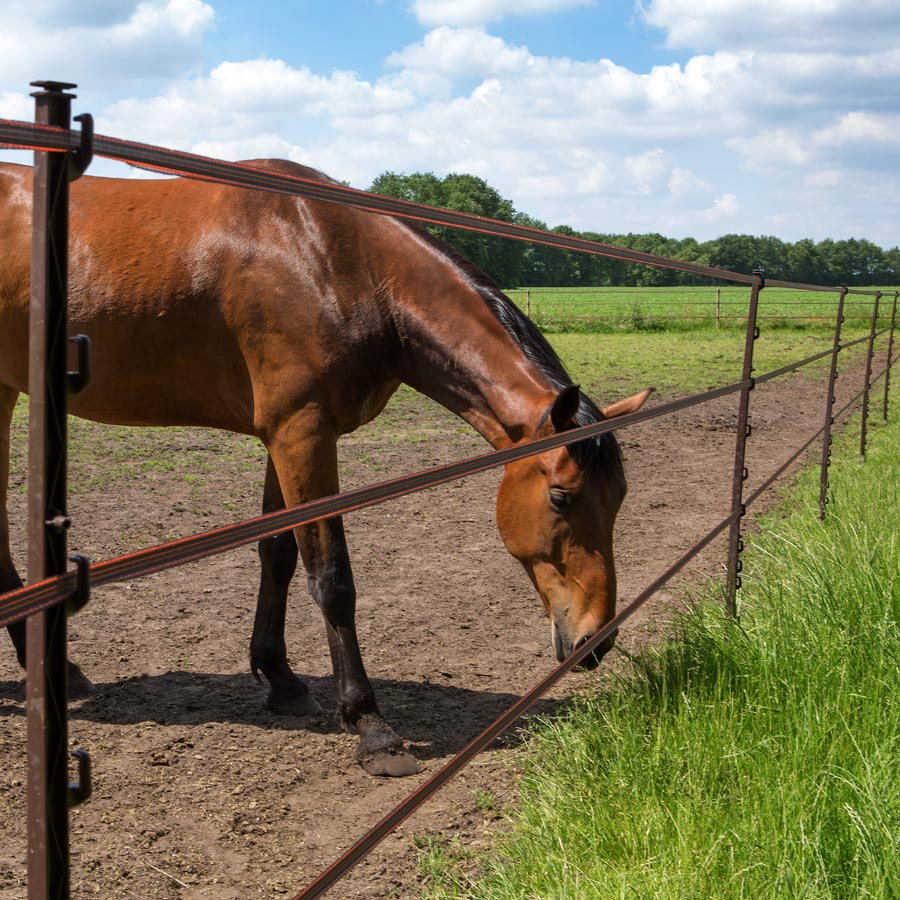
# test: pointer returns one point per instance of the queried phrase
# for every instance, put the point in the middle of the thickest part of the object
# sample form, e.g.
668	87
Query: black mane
601	451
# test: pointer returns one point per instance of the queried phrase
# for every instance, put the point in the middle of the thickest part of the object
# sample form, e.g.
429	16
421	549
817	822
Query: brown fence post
829	406
870	355
735	543
890	353
718	307
49	792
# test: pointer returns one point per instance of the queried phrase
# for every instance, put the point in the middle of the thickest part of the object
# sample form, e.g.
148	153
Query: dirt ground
199	792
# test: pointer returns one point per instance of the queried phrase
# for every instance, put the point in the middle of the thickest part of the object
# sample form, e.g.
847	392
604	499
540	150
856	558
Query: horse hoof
294	705
79	684
391	763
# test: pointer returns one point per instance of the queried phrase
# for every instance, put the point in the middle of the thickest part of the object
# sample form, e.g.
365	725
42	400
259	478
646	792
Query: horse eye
560	500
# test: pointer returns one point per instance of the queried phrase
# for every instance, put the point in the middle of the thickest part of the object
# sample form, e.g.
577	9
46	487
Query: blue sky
688	117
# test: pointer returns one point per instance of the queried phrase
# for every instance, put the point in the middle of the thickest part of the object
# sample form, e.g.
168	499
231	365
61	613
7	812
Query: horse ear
565	407
629	405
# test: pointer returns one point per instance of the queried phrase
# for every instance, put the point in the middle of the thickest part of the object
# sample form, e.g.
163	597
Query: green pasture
688	308
685	362
739	759
608	366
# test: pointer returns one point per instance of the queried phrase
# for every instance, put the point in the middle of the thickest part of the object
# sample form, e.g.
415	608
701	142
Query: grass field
688	308
738	760
608	366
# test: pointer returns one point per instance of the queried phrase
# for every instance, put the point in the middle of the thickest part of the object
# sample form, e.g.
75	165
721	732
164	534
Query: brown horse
295	321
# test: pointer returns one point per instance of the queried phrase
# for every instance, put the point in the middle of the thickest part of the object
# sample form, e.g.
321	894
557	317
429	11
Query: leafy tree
513	263
500	258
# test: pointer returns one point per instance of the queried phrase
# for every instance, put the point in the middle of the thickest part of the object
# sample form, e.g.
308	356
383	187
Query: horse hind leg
79	684
288	694
9	577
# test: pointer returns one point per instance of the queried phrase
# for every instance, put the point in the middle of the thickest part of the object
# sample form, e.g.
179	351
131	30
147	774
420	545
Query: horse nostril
592	659
602	647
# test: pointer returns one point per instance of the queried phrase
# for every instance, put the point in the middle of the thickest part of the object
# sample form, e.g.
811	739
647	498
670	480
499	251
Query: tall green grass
758	759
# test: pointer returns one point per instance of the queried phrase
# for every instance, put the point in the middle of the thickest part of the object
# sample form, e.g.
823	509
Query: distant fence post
528	303
735	543
718	307
890	352
869	357
829	406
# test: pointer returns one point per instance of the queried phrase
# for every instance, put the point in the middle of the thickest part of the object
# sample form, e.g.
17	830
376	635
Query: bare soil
199	792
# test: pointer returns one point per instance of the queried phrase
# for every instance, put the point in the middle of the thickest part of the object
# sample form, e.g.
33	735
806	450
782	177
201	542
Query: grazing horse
295	321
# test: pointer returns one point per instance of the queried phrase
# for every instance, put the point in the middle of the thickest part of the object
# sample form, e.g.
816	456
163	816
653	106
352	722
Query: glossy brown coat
295	321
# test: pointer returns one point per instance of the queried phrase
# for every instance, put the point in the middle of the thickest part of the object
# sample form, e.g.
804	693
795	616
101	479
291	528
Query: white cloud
587	143
824	178
590	143
16	106
126	41
776	148
237	101
853	139
725	207
684	183
481	12
794	25
857	127
595	179
647	169
461	53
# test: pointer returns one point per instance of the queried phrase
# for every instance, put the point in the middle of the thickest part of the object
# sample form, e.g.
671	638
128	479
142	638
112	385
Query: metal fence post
890	353
735	543
869	357
829	406
49	794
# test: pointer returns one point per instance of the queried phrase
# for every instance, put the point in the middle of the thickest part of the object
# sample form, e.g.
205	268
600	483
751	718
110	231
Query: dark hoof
392	763
380	750
79	684
294	704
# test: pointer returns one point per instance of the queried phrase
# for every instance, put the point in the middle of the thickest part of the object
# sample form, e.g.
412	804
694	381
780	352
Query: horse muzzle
565	648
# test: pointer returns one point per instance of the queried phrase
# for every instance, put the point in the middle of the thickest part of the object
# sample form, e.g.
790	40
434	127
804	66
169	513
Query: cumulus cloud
461	53
794	25
684	183
122	41
237	102
725	207
589	142
481	12
646	169
858	127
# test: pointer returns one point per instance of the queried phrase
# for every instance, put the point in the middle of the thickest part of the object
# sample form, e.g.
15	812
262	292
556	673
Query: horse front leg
79	684
324	551
323	547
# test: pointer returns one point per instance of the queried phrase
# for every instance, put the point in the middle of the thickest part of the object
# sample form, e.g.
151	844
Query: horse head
555	512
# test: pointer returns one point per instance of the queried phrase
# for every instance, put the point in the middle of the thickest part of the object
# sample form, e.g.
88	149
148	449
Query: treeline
513	263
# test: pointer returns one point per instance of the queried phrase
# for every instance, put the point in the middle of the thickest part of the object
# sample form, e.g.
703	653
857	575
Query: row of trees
512	263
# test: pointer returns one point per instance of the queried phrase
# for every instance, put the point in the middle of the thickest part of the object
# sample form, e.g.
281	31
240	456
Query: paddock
177	722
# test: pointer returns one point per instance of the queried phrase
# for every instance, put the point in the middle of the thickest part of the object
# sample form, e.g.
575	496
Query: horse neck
458	353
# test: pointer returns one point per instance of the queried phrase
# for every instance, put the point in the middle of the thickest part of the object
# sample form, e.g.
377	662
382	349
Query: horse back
205	304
